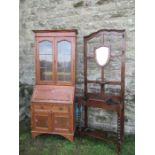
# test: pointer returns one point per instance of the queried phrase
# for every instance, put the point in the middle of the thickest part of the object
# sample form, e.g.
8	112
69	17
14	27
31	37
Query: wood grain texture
52	102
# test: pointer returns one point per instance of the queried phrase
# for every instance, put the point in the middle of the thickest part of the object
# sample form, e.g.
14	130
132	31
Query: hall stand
107	101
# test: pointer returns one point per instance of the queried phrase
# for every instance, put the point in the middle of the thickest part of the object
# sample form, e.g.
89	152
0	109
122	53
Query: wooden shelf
102	135
111	56
104	82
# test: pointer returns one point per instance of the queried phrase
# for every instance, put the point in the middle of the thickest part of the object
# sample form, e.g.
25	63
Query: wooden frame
55	36
71	40
101	100
38	81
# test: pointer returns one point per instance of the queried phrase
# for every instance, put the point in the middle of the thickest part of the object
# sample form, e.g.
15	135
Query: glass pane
45	74
64	61
45	47
45	57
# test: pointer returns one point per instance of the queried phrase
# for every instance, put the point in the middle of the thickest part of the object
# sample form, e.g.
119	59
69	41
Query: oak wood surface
52	102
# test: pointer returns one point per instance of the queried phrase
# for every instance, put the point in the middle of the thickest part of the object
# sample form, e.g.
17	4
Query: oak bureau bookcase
52	102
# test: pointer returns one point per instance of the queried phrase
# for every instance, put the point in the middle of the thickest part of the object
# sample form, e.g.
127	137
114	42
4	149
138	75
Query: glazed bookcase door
42	120
65	58
45	60
61	122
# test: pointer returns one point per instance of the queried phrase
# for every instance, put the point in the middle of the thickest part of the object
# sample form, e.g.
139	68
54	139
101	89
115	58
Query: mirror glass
102	55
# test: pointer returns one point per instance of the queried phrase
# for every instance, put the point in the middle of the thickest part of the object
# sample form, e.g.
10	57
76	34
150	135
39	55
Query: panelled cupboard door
61	122
65	59
42	120
45	60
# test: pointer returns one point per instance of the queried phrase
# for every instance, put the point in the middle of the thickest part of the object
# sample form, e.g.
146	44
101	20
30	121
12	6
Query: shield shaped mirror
102	55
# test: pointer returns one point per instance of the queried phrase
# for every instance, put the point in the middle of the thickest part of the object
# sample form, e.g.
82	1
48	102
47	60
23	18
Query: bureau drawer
60	108
42	107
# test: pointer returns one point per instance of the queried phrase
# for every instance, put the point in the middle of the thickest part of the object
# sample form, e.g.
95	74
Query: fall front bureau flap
52	93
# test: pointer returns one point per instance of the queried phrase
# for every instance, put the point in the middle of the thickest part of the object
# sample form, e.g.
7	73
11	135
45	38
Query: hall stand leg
85	117
122	126
118	133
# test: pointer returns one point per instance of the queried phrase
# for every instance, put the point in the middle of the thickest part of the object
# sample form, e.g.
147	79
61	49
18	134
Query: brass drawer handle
60	108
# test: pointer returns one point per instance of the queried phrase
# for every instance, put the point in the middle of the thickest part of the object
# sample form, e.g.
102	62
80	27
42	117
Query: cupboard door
42	120
61	122
45	53
64	53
